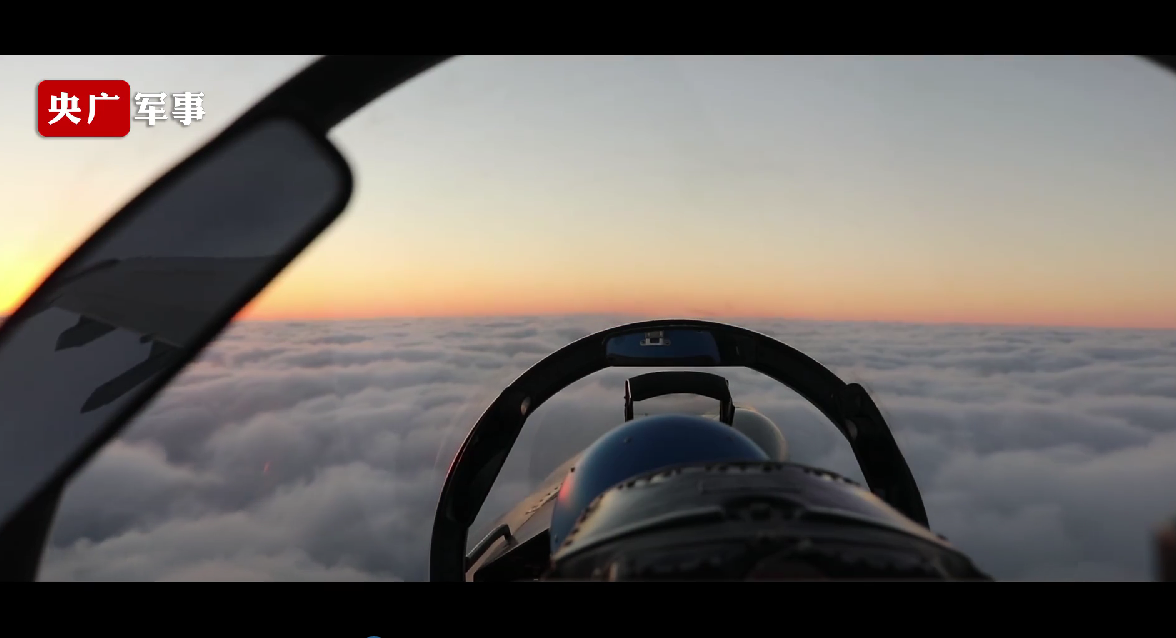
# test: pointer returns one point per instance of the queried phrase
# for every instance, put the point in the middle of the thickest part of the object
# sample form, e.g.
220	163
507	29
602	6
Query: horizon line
719	319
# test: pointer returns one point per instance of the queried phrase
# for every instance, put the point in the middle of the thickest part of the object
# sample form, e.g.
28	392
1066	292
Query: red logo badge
84	108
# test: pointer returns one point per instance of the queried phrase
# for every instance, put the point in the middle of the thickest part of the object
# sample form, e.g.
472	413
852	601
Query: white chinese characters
188	107
151	107
65	105
94	105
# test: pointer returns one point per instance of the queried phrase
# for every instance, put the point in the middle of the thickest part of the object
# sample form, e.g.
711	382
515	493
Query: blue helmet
640	446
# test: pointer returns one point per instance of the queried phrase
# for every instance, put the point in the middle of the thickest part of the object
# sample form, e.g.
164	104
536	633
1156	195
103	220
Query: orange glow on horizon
309	291
307	295
20	278
266	308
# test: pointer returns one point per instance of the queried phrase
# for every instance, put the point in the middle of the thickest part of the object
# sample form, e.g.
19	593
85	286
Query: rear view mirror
153	286
663	347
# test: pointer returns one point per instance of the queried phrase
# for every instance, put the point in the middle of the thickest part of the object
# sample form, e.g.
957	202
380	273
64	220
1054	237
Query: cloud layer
316	450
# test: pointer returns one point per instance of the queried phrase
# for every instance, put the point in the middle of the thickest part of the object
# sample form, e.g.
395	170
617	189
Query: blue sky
957	189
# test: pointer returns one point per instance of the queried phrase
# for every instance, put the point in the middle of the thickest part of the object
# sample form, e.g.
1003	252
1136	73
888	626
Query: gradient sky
996	190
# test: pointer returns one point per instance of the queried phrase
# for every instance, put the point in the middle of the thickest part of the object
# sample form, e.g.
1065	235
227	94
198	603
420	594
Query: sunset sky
990	190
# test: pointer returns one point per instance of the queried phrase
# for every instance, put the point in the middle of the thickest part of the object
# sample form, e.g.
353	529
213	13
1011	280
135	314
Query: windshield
981	242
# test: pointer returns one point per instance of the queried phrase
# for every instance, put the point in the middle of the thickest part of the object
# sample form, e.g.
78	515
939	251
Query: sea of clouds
316	450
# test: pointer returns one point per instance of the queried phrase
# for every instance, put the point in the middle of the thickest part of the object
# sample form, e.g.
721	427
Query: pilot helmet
640	446
762	431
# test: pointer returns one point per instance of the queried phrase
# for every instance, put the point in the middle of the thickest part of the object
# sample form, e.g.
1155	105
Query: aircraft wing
167	300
